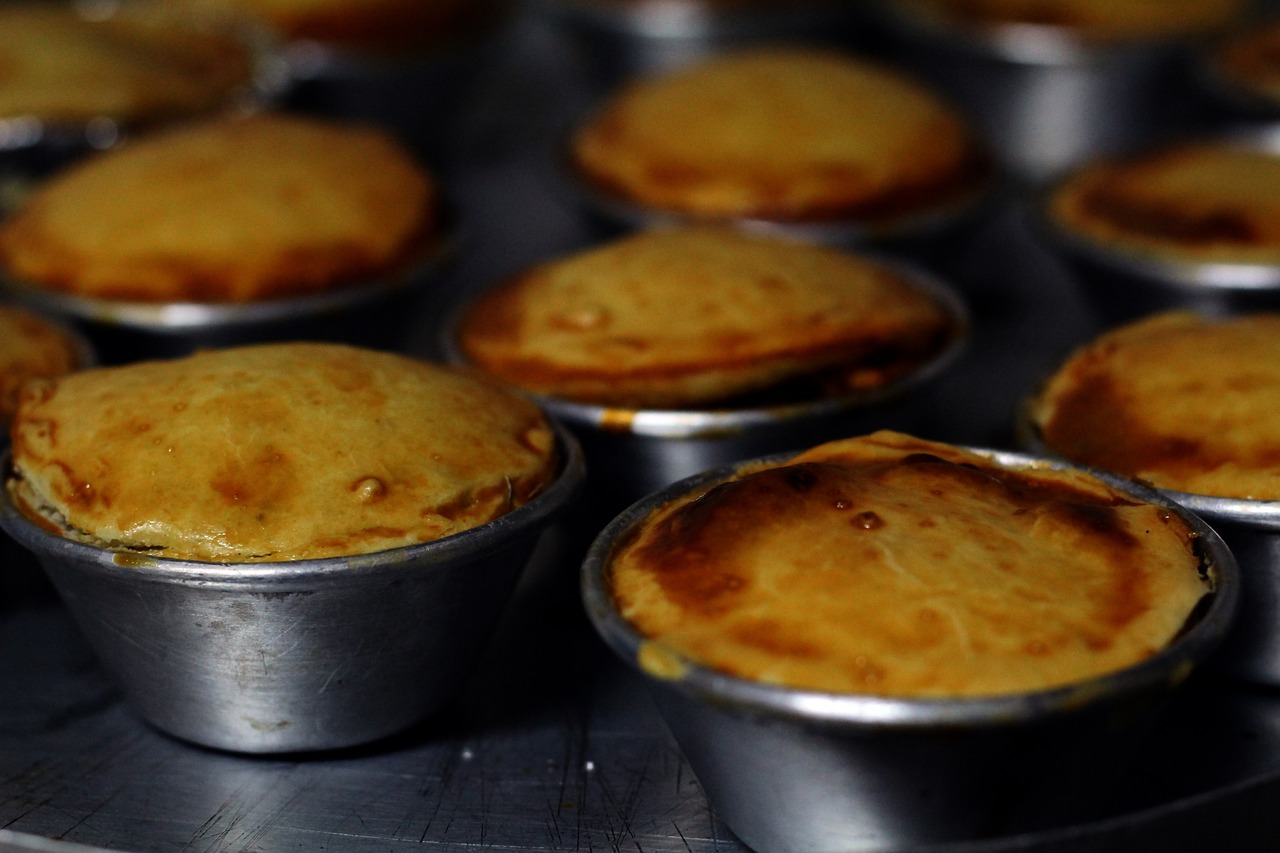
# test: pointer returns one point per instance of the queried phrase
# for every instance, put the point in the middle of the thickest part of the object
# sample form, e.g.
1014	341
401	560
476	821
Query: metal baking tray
553	745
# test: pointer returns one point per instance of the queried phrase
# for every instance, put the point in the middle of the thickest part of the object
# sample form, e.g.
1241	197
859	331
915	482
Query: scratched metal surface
549	751
553	745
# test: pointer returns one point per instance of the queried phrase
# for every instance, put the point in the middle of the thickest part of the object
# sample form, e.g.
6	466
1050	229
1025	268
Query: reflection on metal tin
694	145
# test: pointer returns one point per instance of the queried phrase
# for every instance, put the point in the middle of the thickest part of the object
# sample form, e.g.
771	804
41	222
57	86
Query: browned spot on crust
256	482
771	636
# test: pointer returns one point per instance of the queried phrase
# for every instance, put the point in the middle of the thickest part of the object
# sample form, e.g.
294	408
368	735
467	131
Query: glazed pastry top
890	565
275	452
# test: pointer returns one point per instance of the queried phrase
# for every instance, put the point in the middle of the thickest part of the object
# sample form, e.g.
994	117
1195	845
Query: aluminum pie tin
366	313
296	656
1045	97
1121	285
632	452
790	769
626	39
1251	529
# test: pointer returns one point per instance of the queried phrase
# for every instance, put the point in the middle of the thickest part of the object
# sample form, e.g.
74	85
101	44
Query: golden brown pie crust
274	452
700	316
363	26
890	565
232	210
31	348
780	134
1178	400
136	66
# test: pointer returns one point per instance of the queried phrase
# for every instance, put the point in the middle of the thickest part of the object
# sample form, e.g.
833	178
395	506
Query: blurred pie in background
1092	19
227	211
133	66
1216	200
780	134
362	26
1177	400
32	347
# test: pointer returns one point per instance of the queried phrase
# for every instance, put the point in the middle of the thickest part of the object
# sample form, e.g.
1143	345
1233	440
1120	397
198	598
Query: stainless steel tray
553	745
